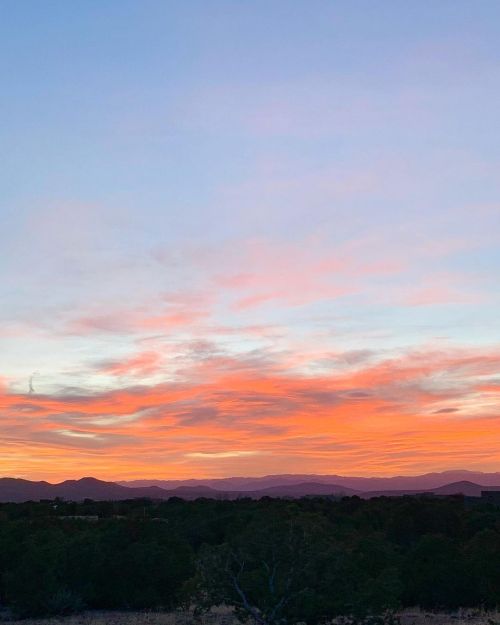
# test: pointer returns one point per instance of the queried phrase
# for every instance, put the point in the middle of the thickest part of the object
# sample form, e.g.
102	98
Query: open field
223	616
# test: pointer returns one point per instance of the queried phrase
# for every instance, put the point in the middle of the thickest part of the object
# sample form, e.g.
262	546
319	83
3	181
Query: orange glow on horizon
393	417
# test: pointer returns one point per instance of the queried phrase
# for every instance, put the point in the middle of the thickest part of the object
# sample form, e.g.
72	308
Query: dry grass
460	617
217	616
223	616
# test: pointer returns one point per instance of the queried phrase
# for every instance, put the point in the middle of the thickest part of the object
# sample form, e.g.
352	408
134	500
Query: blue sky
300	189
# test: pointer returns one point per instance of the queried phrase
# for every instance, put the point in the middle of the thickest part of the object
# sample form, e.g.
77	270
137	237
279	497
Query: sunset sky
242	238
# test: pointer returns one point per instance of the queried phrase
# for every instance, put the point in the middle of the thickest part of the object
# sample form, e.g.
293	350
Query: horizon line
255	477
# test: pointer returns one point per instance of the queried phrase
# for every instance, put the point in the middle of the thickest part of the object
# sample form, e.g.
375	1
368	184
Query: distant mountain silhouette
401	482
18	490
464	488
301	490
12	489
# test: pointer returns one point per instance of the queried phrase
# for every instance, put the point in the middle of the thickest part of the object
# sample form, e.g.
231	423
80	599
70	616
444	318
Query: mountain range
446	483
399	482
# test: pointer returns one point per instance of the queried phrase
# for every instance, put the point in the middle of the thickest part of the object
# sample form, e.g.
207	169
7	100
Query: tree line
275	561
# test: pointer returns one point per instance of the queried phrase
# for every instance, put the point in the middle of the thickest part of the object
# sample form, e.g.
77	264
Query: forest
276	561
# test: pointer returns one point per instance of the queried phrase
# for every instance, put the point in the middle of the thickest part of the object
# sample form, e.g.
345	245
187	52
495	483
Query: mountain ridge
293	486
397	482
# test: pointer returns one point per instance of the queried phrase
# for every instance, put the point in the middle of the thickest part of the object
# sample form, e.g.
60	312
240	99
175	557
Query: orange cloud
426	410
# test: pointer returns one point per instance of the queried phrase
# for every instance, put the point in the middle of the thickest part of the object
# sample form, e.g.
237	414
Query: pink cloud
434	295
441	288
142	364
135	320
292	275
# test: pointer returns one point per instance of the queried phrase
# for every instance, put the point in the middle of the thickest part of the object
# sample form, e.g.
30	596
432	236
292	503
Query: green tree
483	558
437	575
267	571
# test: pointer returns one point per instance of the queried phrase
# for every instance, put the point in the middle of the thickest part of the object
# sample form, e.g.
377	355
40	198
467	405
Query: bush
64	602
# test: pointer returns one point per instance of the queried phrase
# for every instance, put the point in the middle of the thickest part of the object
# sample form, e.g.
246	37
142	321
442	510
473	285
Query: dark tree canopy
276	561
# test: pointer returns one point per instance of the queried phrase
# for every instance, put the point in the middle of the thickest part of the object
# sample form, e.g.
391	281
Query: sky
244	238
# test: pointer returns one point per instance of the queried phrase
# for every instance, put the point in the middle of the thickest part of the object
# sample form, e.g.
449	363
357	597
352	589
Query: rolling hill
426	481
19	490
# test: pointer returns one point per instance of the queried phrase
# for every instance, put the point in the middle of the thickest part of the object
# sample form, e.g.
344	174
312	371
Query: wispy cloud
358	415
221	454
